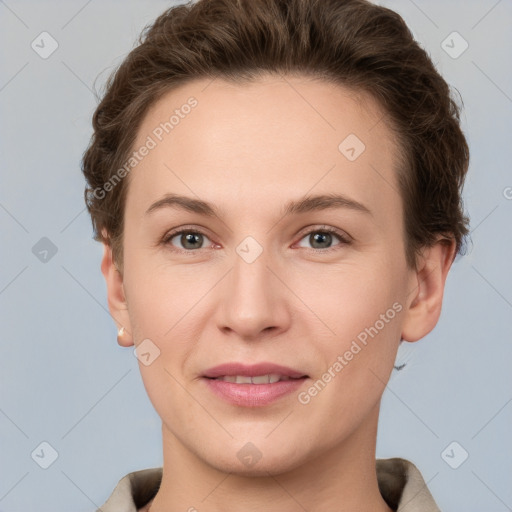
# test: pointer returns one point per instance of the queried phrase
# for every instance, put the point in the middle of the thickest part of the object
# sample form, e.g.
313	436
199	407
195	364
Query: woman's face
255	277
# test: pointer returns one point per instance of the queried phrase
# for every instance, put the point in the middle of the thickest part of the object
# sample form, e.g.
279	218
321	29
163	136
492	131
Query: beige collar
400	484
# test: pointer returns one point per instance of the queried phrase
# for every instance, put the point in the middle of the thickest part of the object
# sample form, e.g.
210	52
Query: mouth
270	378
259	373
253	385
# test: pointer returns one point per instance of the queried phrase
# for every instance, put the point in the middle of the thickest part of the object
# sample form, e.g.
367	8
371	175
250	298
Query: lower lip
253	395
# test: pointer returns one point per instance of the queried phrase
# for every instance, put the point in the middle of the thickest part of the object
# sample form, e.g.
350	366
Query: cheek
357	359
353	296
167	391
162	297
165	307
361	309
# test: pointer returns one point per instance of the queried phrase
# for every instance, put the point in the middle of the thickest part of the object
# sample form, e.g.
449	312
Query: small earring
120	332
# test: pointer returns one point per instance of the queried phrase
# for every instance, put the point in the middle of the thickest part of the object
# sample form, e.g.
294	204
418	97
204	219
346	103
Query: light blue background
64	379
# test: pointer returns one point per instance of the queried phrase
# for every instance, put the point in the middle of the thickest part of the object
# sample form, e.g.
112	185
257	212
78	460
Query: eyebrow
303	205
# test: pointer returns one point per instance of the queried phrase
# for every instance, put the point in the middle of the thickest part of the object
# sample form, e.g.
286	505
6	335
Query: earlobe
116	297
427	290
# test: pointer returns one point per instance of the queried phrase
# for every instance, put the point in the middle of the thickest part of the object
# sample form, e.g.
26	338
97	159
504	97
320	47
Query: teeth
258	379
264	379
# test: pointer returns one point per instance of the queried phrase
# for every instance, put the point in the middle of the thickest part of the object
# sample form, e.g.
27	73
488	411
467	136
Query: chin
250	461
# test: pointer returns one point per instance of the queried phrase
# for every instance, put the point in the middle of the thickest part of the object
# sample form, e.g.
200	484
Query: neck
341	478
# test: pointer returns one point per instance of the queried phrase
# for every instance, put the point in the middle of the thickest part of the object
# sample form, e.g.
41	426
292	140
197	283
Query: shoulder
403	487
133	491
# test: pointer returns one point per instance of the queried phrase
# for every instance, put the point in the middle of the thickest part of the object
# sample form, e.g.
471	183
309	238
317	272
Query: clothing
400	484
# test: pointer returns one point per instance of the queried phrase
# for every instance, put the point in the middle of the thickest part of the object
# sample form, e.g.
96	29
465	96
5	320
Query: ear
116	297
427	290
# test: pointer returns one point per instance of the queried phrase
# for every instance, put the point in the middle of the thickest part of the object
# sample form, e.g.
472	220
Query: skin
248	149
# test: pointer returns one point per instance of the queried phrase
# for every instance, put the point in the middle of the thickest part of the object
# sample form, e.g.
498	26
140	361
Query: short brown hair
353	43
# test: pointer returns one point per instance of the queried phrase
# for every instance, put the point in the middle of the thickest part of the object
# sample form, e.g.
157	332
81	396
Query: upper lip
251	370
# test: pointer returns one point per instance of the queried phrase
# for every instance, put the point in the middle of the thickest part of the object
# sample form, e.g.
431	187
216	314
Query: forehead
275	136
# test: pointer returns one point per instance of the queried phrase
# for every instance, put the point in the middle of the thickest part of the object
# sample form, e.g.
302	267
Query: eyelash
344	239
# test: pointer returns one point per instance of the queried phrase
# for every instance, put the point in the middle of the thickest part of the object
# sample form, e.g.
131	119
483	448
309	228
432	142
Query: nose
253	301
